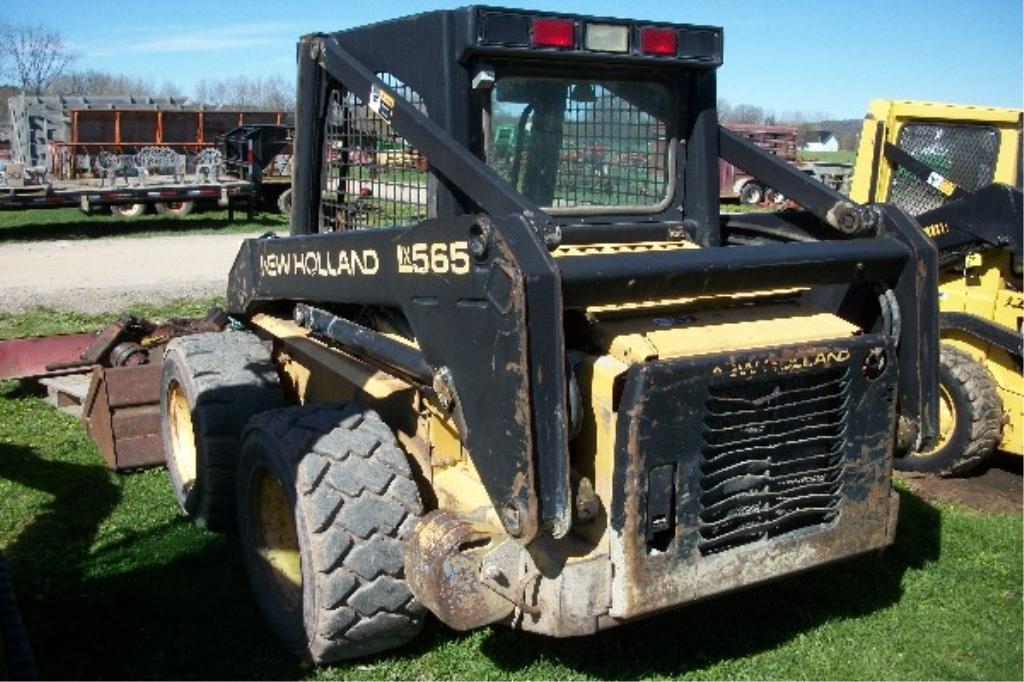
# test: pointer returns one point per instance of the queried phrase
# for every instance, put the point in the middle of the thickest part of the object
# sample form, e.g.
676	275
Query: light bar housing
500	31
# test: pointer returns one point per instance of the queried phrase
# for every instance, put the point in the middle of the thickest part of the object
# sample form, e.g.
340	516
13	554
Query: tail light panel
658	41
504	31
558	33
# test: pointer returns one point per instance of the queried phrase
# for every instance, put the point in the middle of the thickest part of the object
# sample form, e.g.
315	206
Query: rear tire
211	385
970	421
331	585
128	210
175	208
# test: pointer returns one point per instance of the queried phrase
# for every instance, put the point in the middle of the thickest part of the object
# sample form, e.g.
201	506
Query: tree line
36	60
847	131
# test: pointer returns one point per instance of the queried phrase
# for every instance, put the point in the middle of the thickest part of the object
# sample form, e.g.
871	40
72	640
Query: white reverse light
607	38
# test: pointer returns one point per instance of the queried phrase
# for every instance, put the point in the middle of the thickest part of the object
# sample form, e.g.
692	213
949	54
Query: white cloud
231	37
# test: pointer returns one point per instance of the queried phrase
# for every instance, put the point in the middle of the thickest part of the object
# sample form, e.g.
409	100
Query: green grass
842	156
70	223
41	321
737	207
113	583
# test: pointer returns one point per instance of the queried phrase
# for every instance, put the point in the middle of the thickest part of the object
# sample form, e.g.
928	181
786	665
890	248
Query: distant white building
821	141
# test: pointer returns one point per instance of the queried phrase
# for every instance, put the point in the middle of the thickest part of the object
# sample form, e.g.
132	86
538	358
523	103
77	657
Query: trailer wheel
751	194
128	210
970	418
211	385
284	202
326	500
175	208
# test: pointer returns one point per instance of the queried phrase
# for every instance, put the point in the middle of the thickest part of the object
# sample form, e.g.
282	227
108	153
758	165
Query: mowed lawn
70	223
114	583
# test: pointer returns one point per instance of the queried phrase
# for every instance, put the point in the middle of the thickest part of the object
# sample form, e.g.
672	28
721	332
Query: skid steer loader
957	168
539	387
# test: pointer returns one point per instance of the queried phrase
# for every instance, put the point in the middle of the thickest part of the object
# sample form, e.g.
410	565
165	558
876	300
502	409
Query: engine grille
772	458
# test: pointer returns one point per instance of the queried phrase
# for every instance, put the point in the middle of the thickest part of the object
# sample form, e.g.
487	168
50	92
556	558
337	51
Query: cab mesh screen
372	176
963	153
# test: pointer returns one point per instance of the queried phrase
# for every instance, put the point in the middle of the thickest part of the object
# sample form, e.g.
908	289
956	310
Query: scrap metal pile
110	379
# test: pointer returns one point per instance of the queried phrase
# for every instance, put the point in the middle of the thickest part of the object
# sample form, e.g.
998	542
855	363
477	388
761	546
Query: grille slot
772	458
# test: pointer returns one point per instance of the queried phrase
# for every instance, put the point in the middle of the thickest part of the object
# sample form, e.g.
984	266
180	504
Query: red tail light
661	41
558	33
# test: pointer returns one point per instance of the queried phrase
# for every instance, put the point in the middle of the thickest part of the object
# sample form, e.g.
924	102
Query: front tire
970	419
326	500
210	386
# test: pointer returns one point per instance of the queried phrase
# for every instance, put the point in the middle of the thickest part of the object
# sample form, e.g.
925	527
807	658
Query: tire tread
356	530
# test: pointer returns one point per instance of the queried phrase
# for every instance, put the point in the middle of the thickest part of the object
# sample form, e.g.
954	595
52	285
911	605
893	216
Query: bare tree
33	55
92	82
271	92
724	110
744	113
747	113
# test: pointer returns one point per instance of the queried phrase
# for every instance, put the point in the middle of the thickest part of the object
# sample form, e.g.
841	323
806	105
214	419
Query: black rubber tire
284	202
128	210
977	423
355	502
751	194
227	377
180	208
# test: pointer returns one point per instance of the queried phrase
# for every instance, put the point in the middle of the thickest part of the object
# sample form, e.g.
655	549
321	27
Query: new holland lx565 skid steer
533	383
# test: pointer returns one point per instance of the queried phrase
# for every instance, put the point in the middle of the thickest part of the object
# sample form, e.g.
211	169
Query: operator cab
588	118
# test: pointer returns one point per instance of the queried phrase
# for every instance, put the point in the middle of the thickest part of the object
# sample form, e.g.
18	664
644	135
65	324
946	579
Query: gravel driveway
103	275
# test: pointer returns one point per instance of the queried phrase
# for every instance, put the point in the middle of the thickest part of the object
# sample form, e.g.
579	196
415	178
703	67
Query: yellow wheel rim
277	541
947	422
183	439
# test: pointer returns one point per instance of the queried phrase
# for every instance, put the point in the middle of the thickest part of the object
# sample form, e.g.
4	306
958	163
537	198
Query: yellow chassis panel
685	333
982	291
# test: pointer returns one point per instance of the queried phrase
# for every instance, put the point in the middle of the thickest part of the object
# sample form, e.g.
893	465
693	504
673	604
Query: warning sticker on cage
381	103
941	183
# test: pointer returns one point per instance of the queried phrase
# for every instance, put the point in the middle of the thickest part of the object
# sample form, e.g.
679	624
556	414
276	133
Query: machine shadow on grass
192	617
57	541
738	624
181	607
90	228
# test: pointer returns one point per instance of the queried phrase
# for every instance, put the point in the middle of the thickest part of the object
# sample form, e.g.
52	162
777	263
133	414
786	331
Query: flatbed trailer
247	177
87	194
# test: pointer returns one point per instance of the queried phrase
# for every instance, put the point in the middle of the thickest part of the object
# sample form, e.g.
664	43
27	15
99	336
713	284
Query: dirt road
107	274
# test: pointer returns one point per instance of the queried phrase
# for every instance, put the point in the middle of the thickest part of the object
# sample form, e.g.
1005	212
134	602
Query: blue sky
826	57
